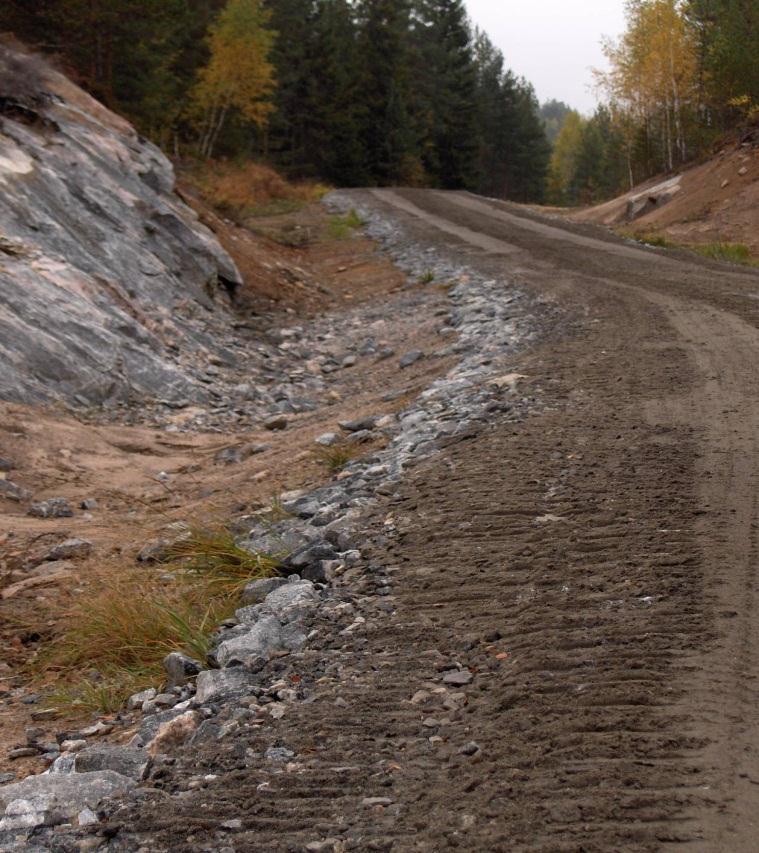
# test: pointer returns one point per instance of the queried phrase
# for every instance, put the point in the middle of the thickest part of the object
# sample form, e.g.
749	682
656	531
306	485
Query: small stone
431	723
23	752
70	549
127	761
410	358
52	508
420	697
256	591
137	700
279	753
743	170
358	424
328	439
6	464
471	748
88	504
458	678
370	802
276	710
276	424
12	491
87	817
73	745
231	825
179	669
214	684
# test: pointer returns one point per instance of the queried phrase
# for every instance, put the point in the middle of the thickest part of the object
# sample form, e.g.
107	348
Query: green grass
427	277
342	227
335	458
732	253
122	625
656	240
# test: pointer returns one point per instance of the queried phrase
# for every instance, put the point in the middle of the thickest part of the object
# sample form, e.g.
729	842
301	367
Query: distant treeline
681	76
365	92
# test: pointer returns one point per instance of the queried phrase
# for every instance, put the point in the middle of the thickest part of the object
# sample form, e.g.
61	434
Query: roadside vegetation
683	76
731	253
242	190
121	625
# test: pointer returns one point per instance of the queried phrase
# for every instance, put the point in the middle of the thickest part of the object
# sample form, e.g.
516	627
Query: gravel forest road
594	566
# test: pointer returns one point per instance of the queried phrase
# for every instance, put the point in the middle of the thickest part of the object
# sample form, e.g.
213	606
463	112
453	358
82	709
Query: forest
354	93
383	92
681	77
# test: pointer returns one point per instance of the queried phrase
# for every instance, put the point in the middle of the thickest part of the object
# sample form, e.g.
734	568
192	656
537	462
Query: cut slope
715	201
107	279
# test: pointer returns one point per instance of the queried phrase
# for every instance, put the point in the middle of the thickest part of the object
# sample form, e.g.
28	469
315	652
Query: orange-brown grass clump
246	190
122	624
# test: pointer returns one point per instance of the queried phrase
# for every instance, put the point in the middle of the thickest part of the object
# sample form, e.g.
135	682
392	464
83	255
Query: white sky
553	43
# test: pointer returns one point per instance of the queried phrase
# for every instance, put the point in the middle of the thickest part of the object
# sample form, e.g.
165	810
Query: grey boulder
52	798
127	761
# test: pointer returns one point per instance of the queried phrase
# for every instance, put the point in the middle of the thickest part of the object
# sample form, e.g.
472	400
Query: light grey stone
260	640
70	549
256	591
215	684
179	669
55	798
127	761
110	265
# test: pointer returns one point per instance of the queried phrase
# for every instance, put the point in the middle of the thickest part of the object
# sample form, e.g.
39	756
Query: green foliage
732	253
343	227
367	91
553	114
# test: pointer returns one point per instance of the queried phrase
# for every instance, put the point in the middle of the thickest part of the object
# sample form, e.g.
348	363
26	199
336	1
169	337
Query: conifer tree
452	152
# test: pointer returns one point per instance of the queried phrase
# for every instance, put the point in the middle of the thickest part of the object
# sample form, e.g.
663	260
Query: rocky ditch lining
247	681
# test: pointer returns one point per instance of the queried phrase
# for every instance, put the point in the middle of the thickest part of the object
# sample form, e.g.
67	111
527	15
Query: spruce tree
387	129
452	135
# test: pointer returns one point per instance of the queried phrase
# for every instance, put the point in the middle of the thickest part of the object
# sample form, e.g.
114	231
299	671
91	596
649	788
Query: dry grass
121	626
242	191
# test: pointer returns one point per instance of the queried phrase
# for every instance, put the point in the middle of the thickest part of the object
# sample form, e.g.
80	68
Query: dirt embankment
716	201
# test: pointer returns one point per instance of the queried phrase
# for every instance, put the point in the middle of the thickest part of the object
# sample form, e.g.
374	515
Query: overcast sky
553	43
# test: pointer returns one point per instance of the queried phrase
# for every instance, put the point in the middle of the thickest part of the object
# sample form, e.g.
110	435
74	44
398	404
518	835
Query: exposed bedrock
107	280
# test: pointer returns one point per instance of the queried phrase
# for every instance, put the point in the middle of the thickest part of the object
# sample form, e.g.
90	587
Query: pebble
52	508
370	802
458	678
276	424
410	358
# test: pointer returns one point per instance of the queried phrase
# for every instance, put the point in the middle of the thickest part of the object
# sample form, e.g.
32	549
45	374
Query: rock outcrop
107	280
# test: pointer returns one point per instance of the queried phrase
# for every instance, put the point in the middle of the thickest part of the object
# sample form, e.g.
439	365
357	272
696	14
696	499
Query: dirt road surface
594	567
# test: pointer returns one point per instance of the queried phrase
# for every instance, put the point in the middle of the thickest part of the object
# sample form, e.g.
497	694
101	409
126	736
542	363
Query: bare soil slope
717	201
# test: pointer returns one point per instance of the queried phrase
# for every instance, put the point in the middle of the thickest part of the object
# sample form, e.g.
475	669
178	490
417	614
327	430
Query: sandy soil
56	455
718	202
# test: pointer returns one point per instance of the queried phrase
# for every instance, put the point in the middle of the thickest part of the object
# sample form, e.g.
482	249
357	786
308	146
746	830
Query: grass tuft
427	277
336	457
214	556
122	625
247	190
342	227
733	253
